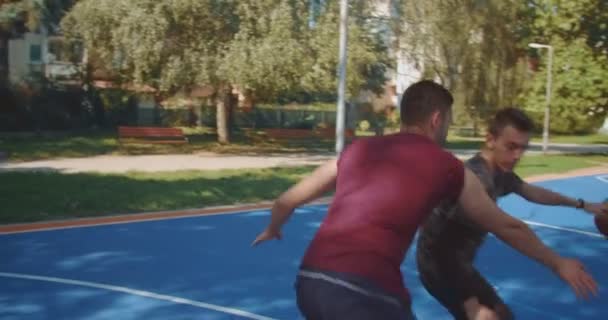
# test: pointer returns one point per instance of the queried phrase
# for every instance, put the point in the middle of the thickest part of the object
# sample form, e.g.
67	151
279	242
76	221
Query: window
35	53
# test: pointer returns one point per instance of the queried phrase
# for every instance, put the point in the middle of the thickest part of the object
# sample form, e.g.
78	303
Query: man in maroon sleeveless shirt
385	187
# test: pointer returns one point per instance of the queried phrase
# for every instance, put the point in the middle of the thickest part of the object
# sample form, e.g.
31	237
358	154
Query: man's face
508	147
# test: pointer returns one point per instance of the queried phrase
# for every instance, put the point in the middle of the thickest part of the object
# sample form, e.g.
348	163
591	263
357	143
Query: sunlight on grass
574	139
533	165
27	196
579	139
28	147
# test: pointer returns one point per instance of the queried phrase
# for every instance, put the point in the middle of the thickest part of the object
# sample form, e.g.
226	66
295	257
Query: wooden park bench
325	133
151	135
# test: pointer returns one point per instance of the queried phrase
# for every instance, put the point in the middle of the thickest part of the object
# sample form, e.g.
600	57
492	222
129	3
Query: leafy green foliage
367	57
267	49
577	31
269	53
33	13
156	43
471	47
579	101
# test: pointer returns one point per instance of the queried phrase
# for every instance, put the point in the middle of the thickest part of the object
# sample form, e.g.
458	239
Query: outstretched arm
541	195
322	180
481	209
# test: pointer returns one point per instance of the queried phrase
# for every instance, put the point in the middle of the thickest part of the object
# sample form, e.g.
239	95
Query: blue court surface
204	268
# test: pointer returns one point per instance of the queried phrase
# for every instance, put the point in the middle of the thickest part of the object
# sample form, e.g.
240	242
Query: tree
167	45
579	101
284	47
472	47
368	58
269	53
493	71
25	12
264	48
33	13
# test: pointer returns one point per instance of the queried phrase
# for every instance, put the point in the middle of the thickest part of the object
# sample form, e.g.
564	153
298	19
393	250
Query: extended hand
573	272
266	235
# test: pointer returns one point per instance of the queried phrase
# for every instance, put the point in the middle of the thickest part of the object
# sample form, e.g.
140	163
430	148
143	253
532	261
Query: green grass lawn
23	147
535	165
28	147
29	197
578	139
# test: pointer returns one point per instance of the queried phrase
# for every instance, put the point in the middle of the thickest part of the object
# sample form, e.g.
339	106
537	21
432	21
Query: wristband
580	204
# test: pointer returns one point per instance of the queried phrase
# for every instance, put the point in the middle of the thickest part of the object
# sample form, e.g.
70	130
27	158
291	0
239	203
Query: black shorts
325	295
453	285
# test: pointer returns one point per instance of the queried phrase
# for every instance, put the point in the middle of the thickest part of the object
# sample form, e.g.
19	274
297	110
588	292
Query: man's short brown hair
423	98
510	117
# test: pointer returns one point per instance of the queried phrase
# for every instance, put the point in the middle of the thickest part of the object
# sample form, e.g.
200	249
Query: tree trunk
223	102
4	76
475	127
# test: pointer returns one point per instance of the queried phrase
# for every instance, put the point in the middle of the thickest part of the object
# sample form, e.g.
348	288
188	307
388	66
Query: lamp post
548	93
341	109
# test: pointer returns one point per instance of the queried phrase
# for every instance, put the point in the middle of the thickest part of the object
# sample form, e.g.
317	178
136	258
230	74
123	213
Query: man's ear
490	141
436	119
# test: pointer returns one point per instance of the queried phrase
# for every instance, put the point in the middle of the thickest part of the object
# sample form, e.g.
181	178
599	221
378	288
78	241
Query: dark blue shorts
323	295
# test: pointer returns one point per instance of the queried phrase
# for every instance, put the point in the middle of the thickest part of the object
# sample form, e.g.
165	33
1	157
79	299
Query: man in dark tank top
449	239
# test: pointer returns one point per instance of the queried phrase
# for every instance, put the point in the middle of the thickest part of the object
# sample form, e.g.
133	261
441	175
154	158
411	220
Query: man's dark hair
510	117
423	98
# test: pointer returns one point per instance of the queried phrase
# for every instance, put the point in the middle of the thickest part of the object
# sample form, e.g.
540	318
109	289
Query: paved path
151	163
213	161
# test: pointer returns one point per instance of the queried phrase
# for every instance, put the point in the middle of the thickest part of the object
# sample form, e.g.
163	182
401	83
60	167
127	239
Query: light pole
548	93
341	109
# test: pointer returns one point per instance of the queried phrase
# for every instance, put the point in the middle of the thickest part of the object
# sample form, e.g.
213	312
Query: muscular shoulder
477	165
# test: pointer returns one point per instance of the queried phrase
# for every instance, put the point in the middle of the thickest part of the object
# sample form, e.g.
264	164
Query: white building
406	72
30	56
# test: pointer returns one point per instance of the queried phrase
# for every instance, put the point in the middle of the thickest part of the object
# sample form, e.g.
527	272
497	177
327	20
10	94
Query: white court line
603	178
592	234
141	293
